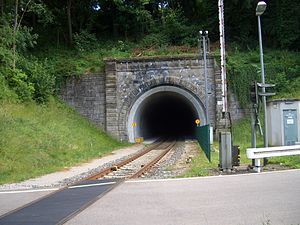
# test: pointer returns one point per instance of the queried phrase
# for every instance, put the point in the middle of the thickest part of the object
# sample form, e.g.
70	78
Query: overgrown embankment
39	139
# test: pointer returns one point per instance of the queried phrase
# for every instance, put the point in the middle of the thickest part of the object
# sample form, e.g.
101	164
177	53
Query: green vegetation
42	42
281	68
289	161
39	139
71	62
242	136
201	166
241	133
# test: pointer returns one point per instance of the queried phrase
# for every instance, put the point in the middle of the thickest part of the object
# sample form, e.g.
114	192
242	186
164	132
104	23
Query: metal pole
253	131
264	100
205	75
263	82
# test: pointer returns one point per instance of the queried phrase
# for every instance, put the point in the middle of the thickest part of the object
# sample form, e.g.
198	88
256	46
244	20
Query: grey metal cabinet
283	122
290	126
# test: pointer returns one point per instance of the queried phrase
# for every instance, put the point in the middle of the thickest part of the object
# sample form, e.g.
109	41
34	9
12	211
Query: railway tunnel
165	111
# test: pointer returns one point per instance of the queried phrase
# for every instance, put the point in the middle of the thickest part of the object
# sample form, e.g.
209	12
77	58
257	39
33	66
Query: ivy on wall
281	68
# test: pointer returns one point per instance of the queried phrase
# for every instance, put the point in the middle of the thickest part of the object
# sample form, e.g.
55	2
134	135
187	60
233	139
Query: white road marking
29	191
210	177
54	189
146	181
91	185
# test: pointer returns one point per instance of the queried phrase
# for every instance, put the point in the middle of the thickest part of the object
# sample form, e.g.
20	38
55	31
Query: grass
288	161
200	164
242	137
241	134
40	139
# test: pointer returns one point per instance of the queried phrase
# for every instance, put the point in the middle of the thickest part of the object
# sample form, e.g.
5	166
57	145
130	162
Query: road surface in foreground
266	198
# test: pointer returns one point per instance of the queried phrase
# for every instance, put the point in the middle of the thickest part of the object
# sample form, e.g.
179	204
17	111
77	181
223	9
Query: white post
257	166
223	60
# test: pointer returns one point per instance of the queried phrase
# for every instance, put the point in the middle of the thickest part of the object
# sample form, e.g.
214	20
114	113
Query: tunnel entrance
165	111
168	115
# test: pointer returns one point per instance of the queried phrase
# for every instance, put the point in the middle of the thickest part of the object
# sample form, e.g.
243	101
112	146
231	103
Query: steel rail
69	190
146	168
126	161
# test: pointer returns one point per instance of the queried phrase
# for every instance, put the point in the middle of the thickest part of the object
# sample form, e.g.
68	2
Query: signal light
254	92
236	155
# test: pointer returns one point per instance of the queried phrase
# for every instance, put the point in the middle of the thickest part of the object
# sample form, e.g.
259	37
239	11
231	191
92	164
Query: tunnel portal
168	112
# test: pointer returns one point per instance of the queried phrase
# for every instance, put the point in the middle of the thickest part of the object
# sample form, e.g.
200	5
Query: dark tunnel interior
168	115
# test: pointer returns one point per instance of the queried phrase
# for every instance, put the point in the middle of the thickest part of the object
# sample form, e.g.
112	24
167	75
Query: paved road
9	202
267	198
57	207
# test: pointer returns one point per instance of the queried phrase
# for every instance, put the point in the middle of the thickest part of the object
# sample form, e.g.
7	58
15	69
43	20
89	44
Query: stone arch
131	98
134	112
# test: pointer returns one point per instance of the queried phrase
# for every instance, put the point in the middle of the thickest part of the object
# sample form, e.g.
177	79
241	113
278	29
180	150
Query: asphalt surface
12	201
58	206
267	198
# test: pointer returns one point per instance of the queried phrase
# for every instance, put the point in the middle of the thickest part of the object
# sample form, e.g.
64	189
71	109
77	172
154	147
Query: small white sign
289	121
220	103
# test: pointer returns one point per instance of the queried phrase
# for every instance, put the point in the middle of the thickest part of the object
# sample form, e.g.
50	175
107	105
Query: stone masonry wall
236	111
87	95
106	98
127	80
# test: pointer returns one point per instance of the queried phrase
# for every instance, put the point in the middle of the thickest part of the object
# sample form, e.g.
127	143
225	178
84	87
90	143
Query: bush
174	27
25	39
6	41
18	82
191	36
6	94
41	76
84	41
173	31
154	40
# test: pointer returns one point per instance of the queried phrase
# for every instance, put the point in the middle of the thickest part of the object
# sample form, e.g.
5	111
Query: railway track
138	164
62	205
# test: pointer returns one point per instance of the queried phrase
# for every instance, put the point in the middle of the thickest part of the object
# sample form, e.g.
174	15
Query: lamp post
204	37
260	9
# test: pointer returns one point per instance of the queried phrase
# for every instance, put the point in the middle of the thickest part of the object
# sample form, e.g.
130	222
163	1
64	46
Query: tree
282	23
69	5
2	7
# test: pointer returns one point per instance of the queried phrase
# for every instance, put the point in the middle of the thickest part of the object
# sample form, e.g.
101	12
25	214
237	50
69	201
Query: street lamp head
260	8
203	33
